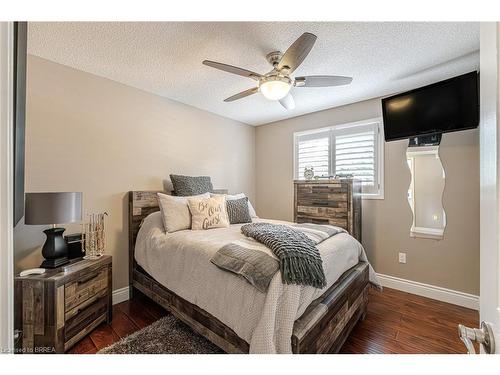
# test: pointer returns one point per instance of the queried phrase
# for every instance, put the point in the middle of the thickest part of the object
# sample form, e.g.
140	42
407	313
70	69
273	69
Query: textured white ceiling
165	59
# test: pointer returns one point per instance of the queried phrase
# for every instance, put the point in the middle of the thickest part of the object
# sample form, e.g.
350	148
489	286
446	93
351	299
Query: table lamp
53	208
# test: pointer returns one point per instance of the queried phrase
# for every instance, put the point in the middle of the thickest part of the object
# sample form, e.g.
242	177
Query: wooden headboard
140	205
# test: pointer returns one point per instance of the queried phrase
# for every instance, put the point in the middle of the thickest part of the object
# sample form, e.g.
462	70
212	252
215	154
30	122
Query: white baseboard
120	295
430	291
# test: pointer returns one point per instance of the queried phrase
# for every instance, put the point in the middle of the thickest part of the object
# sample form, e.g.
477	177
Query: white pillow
208	213
229	197
175	211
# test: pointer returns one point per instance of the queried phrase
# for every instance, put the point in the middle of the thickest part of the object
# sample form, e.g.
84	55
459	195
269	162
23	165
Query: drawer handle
87	279
91	302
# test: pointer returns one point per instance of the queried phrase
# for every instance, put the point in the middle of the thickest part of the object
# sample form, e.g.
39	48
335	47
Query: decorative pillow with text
208	213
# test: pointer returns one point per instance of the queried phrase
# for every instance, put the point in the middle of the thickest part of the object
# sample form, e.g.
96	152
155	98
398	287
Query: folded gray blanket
295	249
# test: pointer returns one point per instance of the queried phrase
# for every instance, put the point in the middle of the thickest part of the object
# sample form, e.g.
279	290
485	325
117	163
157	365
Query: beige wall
90	134
451	263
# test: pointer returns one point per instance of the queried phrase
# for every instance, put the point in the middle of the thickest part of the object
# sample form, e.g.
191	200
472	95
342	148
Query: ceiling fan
276	84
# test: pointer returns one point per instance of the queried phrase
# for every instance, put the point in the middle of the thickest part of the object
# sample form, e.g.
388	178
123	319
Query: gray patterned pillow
237	210
187	185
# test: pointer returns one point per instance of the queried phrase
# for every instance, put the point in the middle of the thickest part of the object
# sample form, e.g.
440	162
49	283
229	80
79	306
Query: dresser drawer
307	189
342	223
323	212
82	306
325	200
85	316
84	288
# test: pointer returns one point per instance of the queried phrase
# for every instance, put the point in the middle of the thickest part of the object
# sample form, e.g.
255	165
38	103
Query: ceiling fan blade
242	94
232	69
322	81
297	52
288	102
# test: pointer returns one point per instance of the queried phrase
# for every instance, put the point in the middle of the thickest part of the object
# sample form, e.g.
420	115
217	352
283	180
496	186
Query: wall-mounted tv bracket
425	140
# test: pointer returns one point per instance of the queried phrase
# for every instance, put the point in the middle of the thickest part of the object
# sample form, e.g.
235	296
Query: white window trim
379	144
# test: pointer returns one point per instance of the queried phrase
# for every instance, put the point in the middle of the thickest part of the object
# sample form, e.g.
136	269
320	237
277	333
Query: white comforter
181	262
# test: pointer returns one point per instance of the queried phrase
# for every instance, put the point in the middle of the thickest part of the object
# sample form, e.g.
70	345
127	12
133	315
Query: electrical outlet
402	257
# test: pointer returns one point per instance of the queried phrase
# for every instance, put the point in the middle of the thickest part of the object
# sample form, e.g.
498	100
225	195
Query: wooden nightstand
57	309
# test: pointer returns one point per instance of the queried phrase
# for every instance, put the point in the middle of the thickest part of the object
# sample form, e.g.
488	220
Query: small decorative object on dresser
94	240
56	309
308	173
334	201
76	248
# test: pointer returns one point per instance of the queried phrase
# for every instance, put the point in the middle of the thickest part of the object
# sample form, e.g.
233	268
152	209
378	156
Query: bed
175	271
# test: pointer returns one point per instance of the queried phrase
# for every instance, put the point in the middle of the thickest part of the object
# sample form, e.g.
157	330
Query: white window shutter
351	150
313	150
356	154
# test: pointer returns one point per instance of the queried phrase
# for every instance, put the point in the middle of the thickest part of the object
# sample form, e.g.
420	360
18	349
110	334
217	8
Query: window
355	150
314	151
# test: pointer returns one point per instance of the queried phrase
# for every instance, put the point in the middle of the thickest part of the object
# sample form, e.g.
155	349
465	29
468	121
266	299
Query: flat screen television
445	106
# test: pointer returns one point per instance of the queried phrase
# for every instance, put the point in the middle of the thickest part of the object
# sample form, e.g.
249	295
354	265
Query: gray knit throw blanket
300	262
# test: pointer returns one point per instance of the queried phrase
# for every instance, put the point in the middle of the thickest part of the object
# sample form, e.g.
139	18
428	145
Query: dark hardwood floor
396	322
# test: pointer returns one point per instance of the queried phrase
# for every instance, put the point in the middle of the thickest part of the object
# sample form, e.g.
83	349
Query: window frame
345	127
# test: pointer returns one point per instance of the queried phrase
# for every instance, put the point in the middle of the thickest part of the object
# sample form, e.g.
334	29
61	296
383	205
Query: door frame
489	141
6	187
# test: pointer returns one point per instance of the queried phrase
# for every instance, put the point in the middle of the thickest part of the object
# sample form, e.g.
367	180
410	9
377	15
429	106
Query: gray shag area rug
165	336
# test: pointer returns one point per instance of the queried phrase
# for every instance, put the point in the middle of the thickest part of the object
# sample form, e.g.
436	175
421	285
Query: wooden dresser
334	202
57	309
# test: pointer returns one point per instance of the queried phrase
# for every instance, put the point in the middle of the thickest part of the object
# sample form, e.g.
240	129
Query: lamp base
54	250
54	263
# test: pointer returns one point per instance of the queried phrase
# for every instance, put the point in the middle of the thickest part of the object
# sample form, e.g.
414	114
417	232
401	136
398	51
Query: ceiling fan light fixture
276	84
275	87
